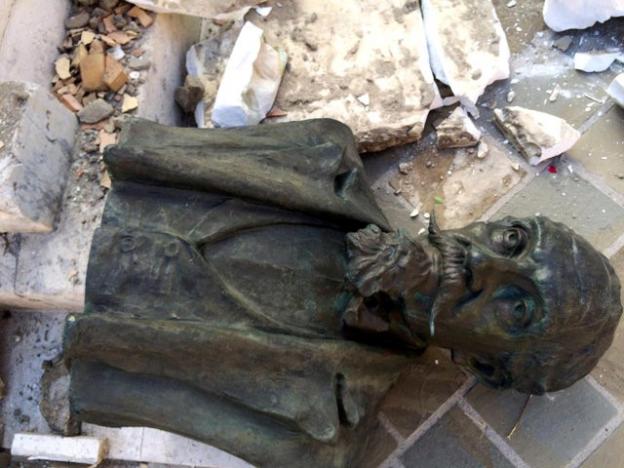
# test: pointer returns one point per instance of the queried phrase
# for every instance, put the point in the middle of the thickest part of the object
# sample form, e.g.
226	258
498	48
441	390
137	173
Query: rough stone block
38	135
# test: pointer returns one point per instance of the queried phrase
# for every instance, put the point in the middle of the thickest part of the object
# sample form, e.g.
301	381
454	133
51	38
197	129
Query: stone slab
600	150
454	441
554	428
565	197
38	137
33	30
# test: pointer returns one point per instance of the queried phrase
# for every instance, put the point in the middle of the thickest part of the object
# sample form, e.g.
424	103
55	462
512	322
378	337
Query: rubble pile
98	72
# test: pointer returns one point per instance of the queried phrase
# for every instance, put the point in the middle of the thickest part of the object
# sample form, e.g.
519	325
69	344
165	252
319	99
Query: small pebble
414	213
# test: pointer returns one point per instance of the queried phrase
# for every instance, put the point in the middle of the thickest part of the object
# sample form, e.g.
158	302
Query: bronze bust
245	289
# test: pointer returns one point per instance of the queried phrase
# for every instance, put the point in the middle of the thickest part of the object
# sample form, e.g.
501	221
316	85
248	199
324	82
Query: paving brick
610	370
430	381
601	148
610	454
454	441
38	134
554	428
569	199
378	447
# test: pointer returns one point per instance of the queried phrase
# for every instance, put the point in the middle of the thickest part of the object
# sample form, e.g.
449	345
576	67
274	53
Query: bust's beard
452	275
389	262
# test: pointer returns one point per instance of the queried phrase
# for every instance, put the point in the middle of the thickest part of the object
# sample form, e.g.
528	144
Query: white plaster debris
594	61
560	15
457	131
84	450
616	89
250	82
538	136
212	9
264	11
337	52
468	51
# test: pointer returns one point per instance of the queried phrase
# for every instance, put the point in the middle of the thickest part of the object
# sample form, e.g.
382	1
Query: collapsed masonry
366	63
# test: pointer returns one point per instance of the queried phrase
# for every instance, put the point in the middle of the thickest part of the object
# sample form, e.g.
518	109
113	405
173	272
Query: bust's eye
512	241
515	309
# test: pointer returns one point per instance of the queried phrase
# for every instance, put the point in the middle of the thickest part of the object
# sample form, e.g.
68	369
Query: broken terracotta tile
62	66
122	9
79	53
87	37
92	68
106	139
141	15
115	75
110	42
71	102
109	26
119	37
129	103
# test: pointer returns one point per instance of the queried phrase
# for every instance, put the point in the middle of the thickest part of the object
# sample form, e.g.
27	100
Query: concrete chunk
467	46
85	450
38	134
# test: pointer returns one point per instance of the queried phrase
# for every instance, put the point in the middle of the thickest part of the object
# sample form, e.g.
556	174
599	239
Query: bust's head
524	303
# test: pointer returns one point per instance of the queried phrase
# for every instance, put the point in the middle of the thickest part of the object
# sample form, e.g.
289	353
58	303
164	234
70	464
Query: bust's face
524	303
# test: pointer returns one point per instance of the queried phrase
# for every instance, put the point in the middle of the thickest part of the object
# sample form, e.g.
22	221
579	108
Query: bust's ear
376	260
